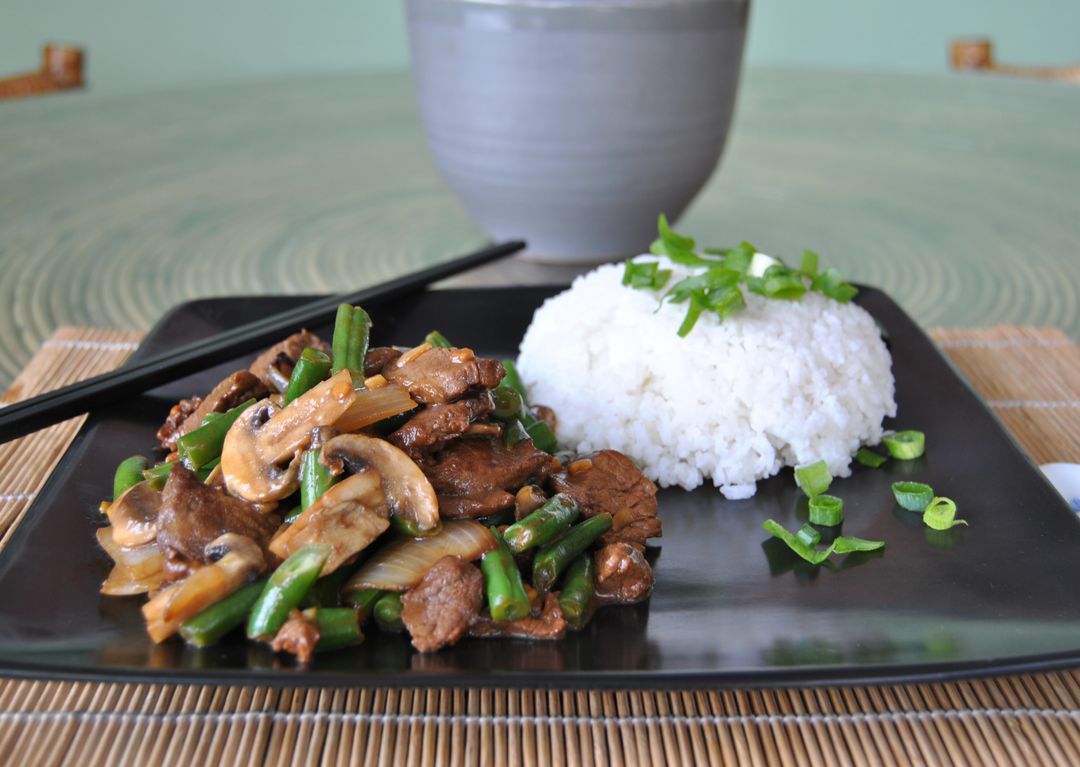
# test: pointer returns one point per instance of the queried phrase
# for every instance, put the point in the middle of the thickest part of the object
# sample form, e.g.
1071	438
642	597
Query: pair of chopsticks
38	412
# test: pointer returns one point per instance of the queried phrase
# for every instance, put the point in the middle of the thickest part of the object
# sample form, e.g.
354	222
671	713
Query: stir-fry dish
329	484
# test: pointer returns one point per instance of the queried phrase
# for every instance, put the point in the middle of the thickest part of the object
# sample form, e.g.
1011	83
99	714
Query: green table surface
959	195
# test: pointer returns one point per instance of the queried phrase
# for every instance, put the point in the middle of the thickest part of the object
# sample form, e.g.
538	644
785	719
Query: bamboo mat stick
1029	376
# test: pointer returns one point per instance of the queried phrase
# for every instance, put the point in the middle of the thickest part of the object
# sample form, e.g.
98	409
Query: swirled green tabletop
960	196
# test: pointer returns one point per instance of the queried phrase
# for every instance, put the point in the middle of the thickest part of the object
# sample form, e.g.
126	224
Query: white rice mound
779	383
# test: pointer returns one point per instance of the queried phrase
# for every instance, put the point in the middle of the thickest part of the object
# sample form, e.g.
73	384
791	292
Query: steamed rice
780	383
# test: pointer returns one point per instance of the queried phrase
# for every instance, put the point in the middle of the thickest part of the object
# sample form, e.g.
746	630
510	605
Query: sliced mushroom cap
265	436
407	490
134	515
347	517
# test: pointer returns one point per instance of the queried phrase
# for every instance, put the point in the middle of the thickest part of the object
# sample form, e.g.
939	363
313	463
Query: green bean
577	591
326	591
553	559
156	475
292	514
309	370
506	595
437	340
220	618
338	627
540	433
410	529
201	446
543	525
203	474
285	590
352	328
508	404
315	478
339	344
515	432
513	380
388	613
359	335
128	474
363	601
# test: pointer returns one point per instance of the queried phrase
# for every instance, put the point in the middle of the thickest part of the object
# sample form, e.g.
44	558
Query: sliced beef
443	605
274	366
444	375
170	430
550	624
432	427
193	514
299	635
610	482
379	357
622	574
477	477
235	389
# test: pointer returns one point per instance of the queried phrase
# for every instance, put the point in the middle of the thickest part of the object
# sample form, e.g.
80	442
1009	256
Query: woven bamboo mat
1031	377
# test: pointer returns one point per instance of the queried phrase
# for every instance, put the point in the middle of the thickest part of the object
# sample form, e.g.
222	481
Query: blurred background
137	45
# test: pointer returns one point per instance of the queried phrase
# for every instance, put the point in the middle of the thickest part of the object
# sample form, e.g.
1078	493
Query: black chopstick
21	418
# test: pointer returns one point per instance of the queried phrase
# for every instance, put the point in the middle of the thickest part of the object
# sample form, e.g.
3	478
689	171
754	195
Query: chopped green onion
782	283
693	312
809	265
913	496
813	479
831	283
675	246
645	274
808	535
826	510
906	445
940	514
844	544
868	457
437	340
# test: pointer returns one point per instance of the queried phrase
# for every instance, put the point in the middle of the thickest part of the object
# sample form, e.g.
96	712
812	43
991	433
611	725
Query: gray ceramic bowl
573	123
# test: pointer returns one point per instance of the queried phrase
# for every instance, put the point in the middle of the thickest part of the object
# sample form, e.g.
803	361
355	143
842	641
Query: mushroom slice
134	515
347	517
240	560
407	490
137	569
265	436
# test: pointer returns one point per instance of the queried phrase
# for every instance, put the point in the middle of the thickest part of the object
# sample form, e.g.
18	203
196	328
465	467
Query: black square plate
730	607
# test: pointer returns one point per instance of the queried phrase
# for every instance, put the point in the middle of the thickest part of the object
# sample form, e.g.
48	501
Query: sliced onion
138	570
373	405
402	564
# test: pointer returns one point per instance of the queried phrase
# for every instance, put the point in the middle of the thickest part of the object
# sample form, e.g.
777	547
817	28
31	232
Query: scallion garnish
868	457
813	479
913	496
719	289
645	274
940	514
808	535
844	544
826	510
905	445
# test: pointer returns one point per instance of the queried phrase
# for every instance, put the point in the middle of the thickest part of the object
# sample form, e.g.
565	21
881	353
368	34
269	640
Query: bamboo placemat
1031	377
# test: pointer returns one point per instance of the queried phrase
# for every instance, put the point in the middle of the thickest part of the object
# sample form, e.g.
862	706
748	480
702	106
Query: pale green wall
140	44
